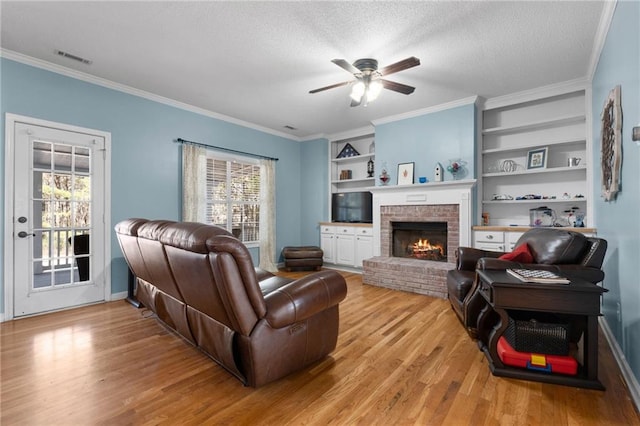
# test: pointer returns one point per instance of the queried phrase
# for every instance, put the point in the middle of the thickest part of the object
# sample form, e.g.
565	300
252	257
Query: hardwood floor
401	359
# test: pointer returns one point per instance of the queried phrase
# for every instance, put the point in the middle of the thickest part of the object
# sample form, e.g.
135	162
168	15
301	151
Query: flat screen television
353	207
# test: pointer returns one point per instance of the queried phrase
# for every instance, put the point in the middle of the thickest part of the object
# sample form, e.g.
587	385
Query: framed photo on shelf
405	173
537	158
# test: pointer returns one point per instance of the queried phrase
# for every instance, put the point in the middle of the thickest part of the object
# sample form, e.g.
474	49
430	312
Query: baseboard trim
627	374
119	296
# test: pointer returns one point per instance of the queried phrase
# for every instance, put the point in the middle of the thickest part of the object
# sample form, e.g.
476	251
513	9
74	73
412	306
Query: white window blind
233	197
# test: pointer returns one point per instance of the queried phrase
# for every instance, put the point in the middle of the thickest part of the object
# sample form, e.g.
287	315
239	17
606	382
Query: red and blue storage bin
562	364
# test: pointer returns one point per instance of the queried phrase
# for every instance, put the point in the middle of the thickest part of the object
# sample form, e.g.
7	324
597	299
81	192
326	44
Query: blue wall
145	160
427	140
314	159
618	220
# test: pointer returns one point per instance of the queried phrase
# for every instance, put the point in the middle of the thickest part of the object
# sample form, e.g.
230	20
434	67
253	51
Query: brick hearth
416	276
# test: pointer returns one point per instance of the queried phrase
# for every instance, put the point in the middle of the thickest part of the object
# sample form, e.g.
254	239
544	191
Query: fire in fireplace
420	240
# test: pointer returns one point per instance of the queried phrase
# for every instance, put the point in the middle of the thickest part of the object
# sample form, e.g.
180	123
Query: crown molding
424	111
601	36
78	75
537	93
353	133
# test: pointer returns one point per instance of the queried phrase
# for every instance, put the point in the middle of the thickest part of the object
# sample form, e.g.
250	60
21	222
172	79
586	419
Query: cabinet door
345	249
364	249
328	244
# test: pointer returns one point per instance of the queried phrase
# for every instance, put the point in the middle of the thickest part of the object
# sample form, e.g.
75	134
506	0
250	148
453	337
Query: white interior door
58	218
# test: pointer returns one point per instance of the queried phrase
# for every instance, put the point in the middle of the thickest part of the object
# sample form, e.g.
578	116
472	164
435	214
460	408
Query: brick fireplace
444	202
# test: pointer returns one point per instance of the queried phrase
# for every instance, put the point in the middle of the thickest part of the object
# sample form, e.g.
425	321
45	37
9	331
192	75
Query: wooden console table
502	293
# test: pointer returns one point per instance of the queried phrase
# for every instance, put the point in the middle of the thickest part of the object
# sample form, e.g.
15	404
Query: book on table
537	276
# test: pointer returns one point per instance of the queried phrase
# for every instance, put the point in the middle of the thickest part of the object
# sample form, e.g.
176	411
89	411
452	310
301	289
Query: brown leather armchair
567	253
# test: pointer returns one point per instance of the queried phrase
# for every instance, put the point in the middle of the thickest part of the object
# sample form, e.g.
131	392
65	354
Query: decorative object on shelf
345	175
370	168
501	197
423	179
372	147
573	161
384	175
542	216
437	173
405	173
456	168
537	158
485	219
508	166
348	151
611	145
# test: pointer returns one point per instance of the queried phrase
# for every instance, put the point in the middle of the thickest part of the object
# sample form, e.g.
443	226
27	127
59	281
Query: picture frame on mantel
405	173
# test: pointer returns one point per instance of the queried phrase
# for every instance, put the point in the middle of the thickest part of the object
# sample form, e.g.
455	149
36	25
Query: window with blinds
233	197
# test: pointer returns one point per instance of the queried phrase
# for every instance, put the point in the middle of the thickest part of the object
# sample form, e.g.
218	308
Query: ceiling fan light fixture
374	89
357	91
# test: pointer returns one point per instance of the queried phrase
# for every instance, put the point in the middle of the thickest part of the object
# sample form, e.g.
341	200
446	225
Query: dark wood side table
502	292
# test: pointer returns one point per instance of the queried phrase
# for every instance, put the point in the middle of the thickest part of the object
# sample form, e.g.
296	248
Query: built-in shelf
555	120
538	201
559	121
536	171
337	182
536	144
354	159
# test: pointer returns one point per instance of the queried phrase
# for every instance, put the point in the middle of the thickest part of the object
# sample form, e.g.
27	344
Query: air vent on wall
290	127
74	57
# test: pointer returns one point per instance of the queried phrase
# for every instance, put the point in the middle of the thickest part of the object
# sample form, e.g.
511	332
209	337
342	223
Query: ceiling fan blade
400	66
397	87
344	83
346	66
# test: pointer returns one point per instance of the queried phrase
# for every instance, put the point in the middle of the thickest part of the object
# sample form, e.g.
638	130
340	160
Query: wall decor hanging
611	145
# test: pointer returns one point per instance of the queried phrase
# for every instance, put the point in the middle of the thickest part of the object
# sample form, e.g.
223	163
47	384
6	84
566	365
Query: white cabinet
489	240
364	245
504	239
552	124
328	243
350	173
346	245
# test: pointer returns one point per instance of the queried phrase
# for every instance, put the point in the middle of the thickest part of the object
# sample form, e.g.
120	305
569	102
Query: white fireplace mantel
450	192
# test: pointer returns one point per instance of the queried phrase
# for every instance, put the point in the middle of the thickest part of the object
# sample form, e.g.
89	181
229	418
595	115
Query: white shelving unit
511	127
358	164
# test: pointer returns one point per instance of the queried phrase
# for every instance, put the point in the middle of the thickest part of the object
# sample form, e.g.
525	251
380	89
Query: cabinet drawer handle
489	237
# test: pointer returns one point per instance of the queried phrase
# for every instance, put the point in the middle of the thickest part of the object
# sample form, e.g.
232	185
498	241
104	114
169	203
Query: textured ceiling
257	61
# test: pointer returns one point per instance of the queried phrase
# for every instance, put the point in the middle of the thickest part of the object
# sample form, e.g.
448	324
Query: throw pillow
519	254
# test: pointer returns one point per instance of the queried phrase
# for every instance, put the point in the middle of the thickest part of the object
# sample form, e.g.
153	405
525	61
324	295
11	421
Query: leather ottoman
302	257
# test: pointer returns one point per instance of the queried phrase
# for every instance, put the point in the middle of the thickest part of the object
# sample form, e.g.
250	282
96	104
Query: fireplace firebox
420	240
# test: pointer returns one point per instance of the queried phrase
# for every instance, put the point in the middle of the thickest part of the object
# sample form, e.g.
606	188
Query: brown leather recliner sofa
200	281
567	253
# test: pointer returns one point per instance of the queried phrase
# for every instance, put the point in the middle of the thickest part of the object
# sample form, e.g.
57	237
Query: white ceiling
257	61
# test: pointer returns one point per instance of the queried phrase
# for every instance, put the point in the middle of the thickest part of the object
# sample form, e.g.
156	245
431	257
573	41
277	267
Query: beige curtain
268	215
194	167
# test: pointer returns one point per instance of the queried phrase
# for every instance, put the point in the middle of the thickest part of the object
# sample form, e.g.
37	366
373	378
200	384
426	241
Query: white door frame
10	121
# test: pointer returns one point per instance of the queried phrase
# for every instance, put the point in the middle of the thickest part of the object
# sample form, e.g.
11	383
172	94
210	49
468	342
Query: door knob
23	234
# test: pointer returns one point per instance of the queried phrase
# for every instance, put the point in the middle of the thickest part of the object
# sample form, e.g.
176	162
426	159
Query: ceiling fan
369	81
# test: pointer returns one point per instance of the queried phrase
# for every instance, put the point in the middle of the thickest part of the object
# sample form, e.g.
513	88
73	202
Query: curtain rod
180	140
